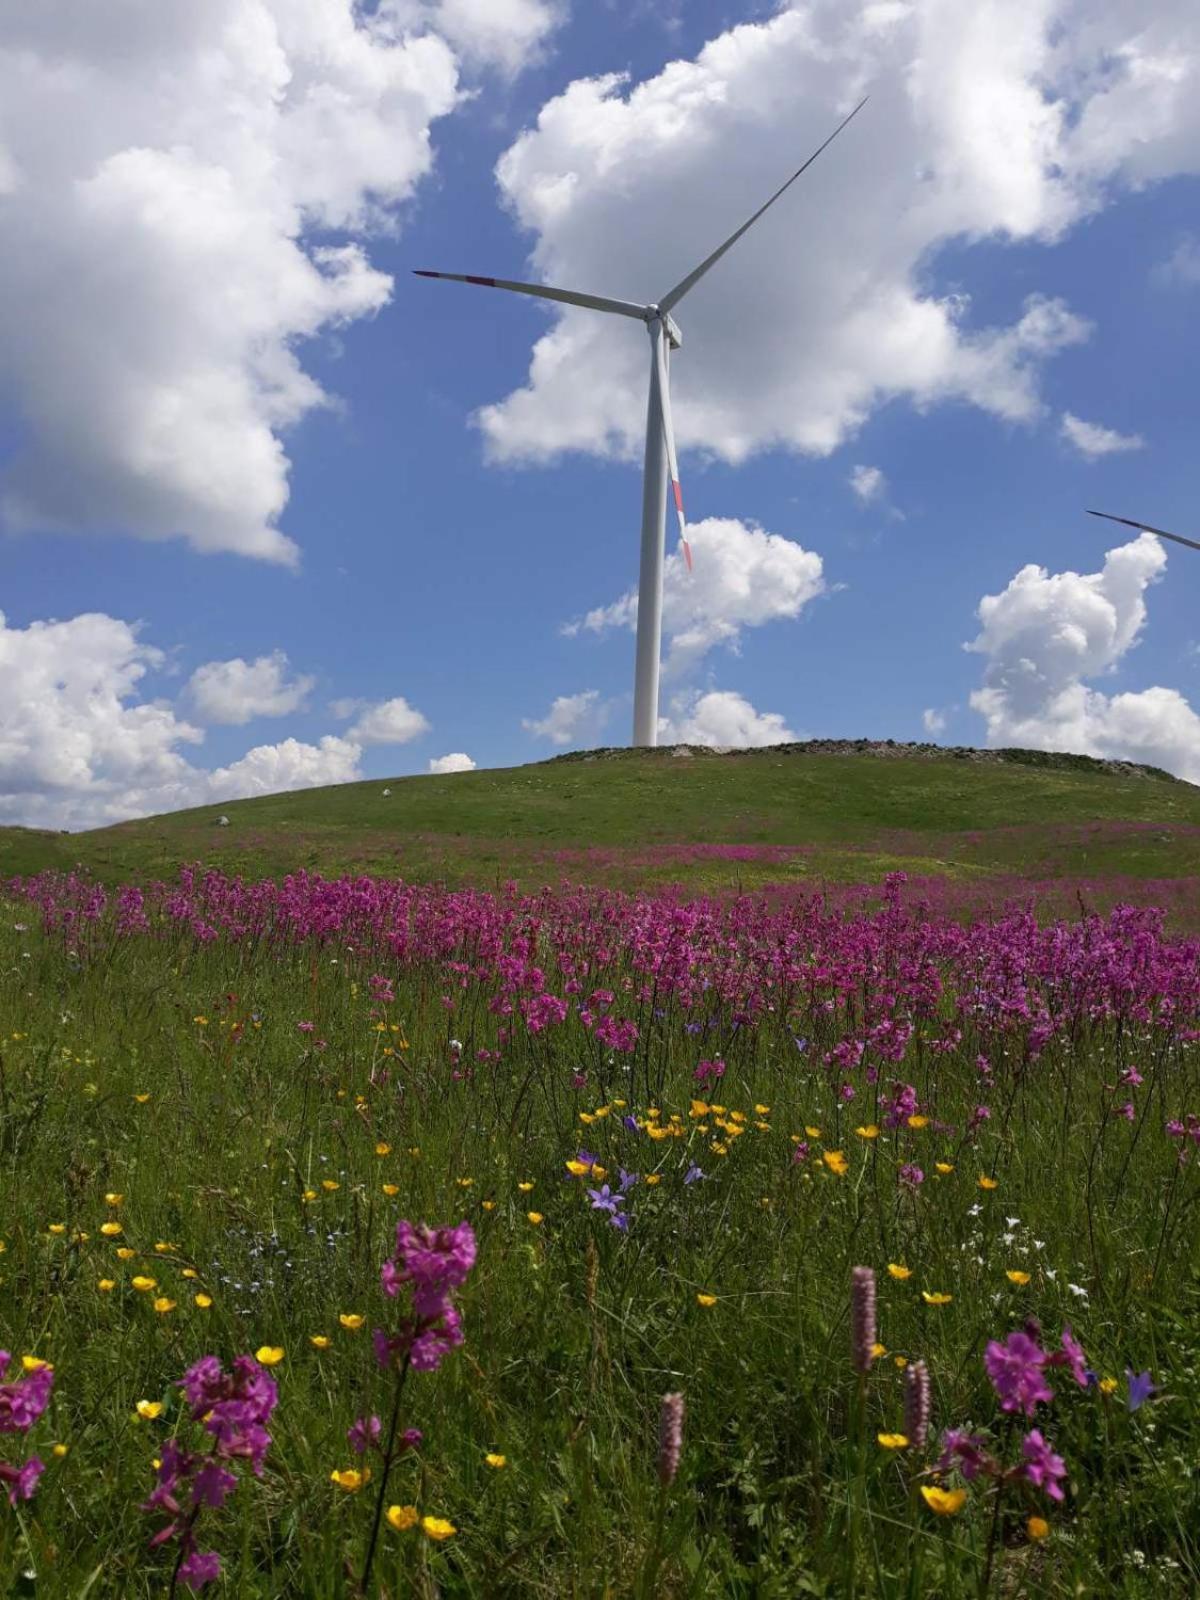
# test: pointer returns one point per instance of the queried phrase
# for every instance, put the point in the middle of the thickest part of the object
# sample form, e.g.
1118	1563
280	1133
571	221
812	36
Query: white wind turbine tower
660	441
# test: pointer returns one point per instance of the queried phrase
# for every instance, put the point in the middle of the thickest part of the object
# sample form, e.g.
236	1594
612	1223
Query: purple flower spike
1015	1368
1042	1467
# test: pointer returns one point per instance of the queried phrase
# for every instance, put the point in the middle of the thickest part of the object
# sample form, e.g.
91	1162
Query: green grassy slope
628	817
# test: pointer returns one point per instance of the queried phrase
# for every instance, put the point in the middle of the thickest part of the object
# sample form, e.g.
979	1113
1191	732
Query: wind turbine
661	461
1144	527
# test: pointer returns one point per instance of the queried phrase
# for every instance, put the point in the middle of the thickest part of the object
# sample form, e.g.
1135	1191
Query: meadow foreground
771	1249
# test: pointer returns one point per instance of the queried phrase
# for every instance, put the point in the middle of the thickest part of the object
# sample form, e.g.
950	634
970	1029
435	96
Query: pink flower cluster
431	1263
21	1404
234	1408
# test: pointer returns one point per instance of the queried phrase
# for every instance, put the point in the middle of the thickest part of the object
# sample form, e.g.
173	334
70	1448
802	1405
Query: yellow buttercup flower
203	1301
652	1178
188	1272
383	1148
330	1185
893	1441
898	1271
936	1299
1037	1528
525	1187
989	1183
1014	1276
878	1350
391	1190
162	1305
944	1501
488	1205
351	1320
438	1528
269	1355
148	1409
106	1285
141	1098
836	1162
309	1195
33	1363
706	1299
762	1111
352	1479
111	1229
577	1168
871	1131
124	1253
58	1227
813	1133
464	1183
495	1461
536	1218
144	1285
699	1108
319	1341
918	1122
1108	1386
112	1199
60	1450
944	1167
403	1517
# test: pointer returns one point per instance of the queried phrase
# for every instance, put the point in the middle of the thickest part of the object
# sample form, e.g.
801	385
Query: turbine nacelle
670	326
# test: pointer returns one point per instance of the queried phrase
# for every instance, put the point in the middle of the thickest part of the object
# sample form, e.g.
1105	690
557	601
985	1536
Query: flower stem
388	1457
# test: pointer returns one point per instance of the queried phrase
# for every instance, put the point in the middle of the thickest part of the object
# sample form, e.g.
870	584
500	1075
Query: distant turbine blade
568	297
1144	527
664	396
677	293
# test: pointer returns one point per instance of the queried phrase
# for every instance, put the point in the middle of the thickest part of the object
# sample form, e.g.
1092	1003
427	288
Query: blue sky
437	560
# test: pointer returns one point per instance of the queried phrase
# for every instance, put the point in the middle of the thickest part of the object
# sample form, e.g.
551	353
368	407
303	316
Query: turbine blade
1144	527
675	295
664	406
543	291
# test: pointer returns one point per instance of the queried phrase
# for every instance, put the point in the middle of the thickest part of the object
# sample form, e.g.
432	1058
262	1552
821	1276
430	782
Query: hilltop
839	811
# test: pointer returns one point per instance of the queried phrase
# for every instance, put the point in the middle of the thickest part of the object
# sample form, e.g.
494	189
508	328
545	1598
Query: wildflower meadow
362	1237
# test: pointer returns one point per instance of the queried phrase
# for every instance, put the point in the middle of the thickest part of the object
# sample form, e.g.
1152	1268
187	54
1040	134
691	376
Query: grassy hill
825	811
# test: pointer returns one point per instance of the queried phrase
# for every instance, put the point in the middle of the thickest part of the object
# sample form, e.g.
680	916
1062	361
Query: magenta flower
23	1401
22	1480
1015	1368
1042	1467
1075	1356
911	1174
965	1451
432	1262
364	1432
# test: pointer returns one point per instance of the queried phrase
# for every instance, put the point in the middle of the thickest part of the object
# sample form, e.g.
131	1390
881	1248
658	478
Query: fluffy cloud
508	34
572	719
722	719
1047	634
868	484
985	121
933	720
79	747
166	173
1181	269
1092	440
455	762
390	722
742	577
234	692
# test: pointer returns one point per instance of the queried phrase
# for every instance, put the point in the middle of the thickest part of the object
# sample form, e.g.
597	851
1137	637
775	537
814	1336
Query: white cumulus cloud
390	722
80	746
1047	634
742	577
235	692
723	719
985	121
933	720
178	185
572	719
456	761
1092	440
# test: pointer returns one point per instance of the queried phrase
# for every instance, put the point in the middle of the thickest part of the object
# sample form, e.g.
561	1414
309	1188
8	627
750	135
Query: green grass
614	818
573	1333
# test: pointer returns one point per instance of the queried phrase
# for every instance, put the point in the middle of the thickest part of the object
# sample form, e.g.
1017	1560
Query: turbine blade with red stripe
664	403
1144	527
543	291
